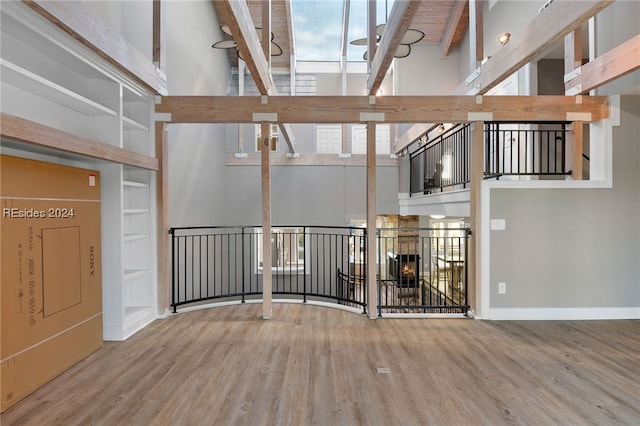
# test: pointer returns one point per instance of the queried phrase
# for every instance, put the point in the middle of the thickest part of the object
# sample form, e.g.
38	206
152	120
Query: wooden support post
162	202
573	51
265	151
372	268
477	172
576	139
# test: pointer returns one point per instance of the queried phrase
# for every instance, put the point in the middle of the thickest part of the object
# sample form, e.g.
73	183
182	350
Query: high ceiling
442	21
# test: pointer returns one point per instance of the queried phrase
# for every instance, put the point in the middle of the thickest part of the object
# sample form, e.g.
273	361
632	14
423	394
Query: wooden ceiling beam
456	17
620	60
243	31
389	109
400	18
238	18
542	32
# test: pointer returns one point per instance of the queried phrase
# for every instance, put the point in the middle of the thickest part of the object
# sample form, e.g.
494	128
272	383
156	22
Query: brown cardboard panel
37	179
42	261
24	373
51	271
61	261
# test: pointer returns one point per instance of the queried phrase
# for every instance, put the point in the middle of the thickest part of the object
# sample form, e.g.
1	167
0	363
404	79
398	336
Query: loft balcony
440	169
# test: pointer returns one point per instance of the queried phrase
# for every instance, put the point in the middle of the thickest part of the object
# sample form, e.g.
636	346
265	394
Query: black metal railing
422	270
225	263
530	149
441	163
419	270
510	149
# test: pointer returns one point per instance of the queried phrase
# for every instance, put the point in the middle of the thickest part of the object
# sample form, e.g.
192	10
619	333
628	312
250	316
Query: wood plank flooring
312	365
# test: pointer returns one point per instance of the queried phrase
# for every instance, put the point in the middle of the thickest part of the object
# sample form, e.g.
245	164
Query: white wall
573	250
196	151
426	72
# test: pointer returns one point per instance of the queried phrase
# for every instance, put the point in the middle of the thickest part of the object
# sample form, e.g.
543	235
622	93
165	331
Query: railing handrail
260	226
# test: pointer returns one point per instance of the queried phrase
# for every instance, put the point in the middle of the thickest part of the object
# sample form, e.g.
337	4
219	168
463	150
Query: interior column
265	156
162	200
372	282
477	172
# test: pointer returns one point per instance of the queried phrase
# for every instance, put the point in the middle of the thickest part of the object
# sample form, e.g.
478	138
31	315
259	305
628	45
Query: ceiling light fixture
504	38
404	49
276	50
441	128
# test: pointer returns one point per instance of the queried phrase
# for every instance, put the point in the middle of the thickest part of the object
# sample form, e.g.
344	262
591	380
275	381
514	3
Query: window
288	247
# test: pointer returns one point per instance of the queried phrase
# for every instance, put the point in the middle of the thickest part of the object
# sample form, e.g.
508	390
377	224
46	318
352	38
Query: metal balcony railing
442	163
510	150
531	149
419	270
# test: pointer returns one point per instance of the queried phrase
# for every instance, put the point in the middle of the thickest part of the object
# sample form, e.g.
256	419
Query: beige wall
573	248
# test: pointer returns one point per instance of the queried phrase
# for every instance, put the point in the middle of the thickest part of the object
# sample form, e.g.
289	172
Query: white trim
449	203
614	110
537	314
483	285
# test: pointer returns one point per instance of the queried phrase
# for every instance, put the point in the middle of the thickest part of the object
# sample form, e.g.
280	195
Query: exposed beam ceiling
238	18
456	26
390	109
546	29
435	18
397	25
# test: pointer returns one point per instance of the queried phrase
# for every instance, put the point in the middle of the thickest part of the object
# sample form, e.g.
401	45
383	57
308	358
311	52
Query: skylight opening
318	27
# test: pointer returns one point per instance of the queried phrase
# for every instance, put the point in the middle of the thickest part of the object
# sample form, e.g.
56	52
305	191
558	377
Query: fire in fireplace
404	269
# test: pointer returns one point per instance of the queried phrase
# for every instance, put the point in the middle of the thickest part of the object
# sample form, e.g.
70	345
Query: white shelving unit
53	80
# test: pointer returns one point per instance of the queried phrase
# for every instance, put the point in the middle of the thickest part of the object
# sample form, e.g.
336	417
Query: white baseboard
562	313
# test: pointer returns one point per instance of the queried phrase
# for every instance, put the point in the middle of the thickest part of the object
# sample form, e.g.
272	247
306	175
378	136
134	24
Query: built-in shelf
133	237
23	79
135	211
133	273
130	124
51	79
135	184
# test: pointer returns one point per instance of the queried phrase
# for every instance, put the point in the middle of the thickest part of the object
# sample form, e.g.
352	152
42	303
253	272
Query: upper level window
287	250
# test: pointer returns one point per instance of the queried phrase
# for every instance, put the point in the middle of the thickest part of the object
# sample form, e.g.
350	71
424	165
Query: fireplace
404	269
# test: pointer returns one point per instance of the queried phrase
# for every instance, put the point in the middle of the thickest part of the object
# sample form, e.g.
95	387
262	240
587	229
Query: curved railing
418	270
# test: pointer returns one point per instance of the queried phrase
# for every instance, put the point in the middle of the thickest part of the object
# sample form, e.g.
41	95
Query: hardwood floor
313	365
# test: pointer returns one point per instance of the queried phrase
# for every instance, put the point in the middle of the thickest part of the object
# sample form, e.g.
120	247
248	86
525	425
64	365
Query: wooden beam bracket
259	117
